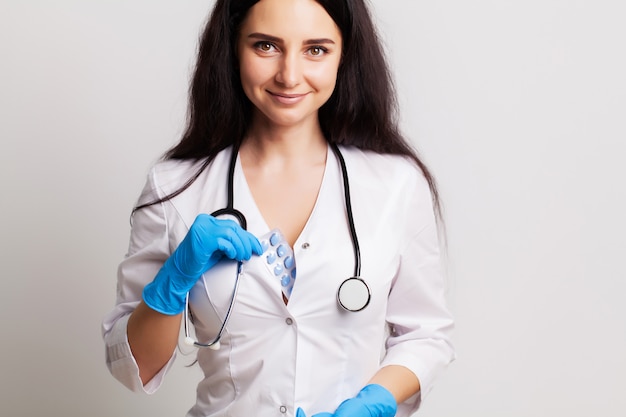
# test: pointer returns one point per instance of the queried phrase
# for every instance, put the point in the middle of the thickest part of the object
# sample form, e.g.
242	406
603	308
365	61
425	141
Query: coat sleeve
148	249
417	313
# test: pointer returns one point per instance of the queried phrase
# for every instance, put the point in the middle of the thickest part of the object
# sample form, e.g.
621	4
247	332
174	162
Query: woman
294	97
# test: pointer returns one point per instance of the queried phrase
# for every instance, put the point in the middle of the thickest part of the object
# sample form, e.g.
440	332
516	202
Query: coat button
305	245
283	409
289	321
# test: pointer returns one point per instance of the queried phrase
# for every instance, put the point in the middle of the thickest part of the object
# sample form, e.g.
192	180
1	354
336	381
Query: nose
289	73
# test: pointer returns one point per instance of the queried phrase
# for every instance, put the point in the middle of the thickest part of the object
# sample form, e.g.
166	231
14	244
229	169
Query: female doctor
292	124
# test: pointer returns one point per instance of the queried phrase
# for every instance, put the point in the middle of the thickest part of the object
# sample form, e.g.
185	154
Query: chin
283	119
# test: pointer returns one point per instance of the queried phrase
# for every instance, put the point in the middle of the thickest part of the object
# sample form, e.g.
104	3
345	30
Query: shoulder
383	170
170	175
389	192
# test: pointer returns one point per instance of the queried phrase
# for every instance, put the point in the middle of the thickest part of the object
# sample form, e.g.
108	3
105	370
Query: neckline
257	224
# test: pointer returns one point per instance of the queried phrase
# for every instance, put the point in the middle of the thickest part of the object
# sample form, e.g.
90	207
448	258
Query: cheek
254	74
324	76
331	67
248	79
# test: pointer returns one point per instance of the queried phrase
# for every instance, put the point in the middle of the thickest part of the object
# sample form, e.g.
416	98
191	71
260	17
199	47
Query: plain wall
519	107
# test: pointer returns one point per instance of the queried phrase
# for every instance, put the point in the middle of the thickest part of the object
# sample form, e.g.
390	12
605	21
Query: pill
285	280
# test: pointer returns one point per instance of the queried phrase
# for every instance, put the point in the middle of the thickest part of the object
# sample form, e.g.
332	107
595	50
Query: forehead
290	19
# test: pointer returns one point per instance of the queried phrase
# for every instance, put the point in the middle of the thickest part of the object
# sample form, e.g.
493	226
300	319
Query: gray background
518	107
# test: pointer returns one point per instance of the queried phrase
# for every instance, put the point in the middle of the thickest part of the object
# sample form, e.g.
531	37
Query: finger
251	243
225	246
240	241
234	247
212	235
257	249
230	223
244	242
210	225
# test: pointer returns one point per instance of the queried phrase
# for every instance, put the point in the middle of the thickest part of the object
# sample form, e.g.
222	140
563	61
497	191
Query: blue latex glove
207	241
372	401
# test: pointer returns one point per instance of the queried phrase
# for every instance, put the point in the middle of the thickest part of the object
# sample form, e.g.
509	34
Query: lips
287	98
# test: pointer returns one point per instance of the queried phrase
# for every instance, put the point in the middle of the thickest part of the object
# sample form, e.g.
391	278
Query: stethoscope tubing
215	343
230	210
346	190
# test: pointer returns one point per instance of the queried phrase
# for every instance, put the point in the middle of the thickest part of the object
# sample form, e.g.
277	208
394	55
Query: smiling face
289	53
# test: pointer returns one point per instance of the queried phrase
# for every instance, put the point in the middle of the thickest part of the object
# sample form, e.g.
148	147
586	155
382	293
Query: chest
285	199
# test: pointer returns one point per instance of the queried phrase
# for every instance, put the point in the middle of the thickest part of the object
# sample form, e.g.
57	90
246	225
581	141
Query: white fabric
309	353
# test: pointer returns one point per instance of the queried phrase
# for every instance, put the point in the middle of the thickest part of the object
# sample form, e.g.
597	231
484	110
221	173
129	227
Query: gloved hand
372	401
207	241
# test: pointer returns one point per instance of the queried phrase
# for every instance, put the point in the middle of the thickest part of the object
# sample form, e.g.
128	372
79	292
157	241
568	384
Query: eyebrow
265	37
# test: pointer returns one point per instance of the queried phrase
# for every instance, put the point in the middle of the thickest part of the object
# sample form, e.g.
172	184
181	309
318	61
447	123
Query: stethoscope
353	293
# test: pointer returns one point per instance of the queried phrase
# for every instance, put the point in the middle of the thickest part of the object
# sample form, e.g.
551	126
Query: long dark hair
361	112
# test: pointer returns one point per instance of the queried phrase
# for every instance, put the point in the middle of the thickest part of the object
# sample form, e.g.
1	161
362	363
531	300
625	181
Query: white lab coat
309	353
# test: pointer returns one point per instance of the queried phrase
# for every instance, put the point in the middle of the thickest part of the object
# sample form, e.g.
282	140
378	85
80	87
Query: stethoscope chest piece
353	294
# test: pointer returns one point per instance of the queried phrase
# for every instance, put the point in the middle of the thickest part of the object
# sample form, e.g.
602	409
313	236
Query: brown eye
317	51
265	46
